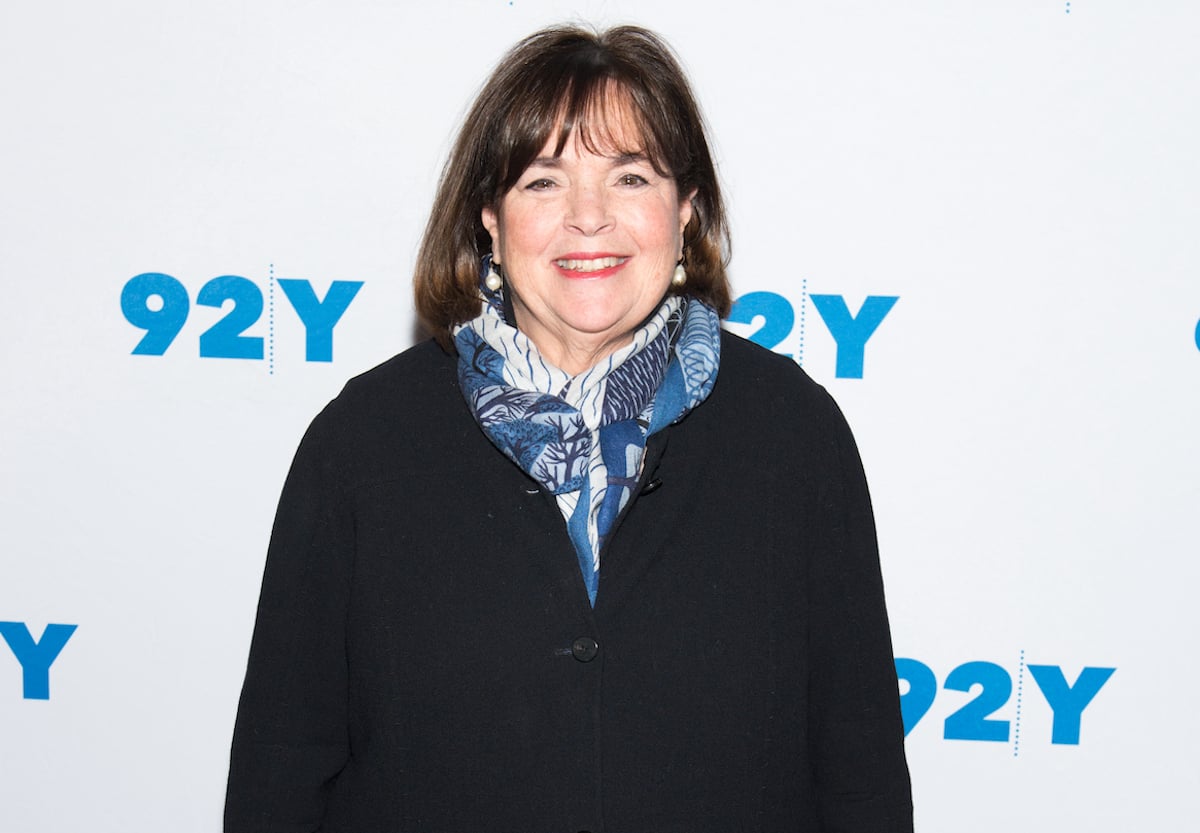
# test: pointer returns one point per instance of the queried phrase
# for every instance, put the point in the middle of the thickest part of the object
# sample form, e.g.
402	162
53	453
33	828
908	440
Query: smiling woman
560	96
583	561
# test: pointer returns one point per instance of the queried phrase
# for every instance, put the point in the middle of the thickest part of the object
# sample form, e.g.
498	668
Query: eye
632	179
541	184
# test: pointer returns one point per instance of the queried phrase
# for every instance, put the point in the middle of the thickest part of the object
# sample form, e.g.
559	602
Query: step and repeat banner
977	224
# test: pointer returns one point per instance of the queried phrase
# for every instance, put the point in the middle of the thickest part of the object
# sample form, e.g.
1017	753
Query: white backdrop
1021	177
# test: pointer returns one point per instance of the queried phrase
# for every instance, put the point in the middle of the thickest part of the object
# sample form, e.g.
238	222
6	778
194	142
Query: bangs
606	121
604	115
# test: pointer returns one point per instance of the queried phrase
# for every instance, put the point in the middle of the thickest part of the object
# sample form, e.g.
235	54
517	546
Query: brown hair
563	77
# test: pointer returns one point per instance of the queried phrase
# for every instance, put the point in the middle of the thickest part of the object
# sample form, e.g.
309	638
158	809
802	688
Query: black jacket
426	659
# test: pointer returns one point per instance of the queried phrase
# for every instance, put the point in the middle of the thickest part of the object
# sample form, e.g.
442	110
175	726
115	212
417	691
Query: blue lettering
162	324
224	340
1068	702
319	317
36	657
971	721
851	332
922	689
775	311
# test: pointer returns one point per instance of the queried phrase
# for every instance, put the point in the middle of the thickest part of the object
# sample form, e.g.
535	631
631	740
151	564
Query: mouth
589	267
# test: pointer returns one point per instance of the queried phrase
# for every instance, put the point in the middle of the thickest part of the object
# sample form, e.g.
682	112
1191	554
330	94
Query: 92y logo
973	719
850	331
159	304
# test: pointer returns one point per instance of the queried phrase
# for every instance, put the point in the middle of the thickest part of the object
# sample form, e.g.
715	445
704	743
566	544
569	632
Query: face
588	243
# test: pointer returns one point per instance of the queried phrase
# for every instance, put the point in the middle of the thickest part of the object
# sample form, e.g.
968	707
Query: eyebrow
629	158
617	161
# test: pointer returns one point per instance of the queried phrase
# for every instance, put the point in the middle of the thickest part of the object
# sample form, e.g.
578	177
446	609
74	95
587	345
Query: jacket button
584	649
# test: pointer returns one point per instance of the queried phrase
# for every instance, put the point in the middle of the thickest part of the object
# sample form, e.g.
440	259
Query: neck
576	358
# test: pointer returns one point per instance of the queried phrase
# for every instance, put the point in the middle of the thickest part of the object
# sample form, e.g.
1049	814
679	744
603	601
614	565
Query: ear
685	212
491	222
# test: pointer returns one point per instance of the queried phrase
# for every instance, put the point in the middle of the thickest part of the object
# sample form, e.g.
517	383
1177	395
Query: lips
589	265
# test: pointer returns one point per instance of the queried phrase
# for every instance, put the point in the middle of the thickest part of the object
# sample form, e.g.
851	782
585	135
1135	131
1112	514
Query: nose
588	210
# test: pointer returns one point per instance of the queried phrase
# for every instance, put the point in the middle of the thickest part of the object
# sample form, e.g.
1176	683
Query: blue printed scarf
583	438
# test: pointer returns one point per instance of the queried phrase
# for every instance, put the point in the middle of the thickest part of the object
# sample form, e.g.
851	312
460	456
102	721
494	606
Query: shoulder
398	411
419	383
758	378
765	408
403	379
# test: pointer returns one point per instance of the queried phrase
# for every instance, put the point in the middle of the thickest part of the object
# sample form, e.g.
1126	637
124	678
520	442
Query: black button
652	486
584	649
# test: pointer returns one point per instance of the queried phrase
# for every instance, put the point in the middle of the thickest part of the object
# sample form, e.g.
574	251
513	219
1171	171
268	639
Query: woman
586	562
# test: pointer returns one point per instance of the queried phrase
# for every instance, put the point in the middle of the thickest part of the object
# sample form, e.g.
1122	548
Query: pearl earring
680	276
493	281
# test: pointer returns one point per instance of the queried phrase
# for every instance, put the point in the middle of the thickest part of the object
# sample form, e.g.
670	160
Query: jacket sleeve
290	737
855	729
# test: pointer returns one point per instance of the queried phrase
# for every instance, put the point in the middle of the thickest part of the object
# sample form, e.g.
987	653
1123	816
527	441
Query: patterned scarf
583	437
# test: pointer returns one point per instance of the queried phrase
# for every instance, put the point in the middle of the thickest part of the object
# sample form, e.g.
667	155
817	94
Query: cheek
524	233
660	230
